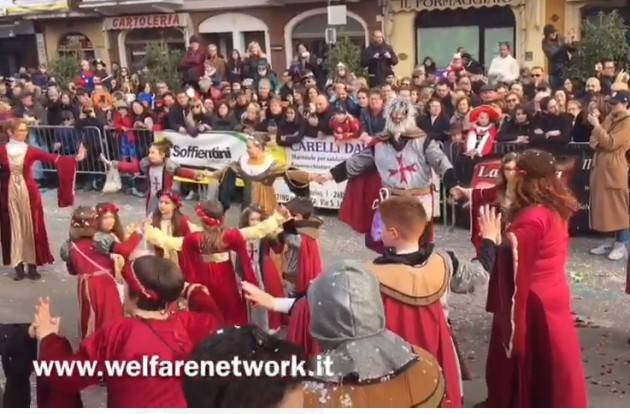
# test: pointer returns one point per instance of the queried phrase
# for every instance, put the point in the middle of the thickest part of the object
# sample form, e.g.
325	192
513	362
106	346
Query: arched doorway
235	31
76	43
478	30
309	27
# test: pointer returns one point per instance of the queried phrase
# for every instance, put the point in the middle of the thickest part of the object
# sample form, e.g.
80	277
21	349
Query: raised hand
257	296
460	193
284	212
81	154
490	224
104	160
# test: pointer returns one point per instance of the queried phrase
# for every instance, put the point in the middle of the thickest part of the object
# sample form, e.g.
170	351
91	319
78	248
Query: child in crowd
344	126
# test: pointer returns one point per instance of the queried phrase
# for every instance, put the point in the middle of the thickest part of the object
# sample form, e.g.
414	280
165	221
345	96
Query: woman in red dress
534	354
22	226
153	284
99	300
206	260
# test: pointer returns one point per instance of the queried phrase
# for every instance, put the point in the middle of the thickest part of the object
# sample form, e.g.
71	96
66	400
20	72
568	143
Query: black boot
33	274
19	272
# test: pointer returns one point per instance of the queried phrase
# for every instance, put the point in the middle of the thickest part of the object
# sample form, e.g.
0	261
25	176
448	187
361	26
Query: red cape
356	207
426	327
66	167
310	264
299	329
534	358
273	286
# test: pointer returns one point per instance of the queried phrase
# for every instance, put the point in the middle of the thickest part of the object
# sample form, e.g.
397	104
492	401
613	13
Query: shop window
137	40
224	42
254	36
478	30
310	32
77	44
441	43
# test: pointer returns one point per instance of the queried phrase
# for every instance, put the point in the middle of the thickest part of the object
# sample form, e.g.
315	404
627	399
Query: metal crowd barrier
127	145
66	140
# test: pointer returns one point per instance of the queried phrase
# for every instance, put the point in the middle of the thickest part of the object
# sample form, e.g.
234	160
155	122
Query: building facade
440	27
118	31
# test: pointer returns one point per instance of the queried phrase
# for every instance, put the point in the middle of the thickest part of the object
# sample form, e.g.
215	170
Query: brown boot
33	274
19	272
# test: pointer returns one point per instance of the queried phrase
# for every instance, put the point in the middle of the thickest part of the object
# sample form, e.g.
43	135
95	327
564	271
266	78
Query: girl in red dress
22	225
534	354
267	274
206	260
171	223
153	284
110	227
99	300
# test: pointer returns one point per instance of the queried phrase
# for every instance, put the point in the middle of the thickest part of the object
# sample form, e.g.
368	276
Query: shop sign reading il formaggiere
418	5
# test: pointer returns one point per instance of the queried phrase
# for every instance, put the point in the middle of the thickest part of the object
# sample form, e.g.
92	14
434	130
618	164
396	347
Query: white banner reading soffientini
212	150
319	155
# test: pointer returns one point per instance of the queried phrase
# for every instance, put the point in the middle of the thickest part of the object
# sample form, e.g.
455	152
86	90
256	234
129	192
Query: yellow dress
22	235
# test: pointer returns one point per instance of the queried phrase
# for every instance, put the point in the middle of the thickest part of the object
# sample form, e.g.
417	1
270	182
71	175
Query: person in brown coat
610	201
217	60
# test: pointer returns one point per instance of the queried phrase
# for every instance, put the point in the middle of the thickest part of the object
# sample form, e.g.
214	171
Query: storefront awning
23	7
428	5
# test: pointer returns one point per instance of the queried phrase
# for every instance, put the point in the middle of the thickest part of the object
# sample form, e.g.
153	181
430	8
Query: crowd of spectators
463	106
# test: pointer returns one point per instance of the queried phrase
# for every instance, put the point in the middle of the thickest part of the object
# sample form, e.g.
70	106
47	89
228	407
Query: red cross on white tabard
404	170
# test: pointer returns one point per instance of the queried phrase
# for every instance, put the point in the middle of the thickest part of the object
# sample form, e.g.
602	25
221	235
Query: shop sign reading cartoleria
146	21
424	5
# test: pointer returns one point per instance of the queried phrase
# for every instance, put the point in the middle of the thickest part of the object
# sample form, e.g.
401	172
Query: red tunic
128	340
412	297
310	263
356	208
66	168
272	279
218	274
99	301
299	329
534	354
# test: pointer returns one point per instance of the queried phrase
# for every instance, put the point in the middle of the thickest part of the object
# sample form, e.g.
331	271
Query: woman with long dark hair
534	357
235	67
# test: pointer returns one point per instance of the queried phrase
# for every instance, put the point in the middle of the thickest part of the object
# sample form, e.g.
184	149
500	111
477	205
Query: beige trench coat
610	202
